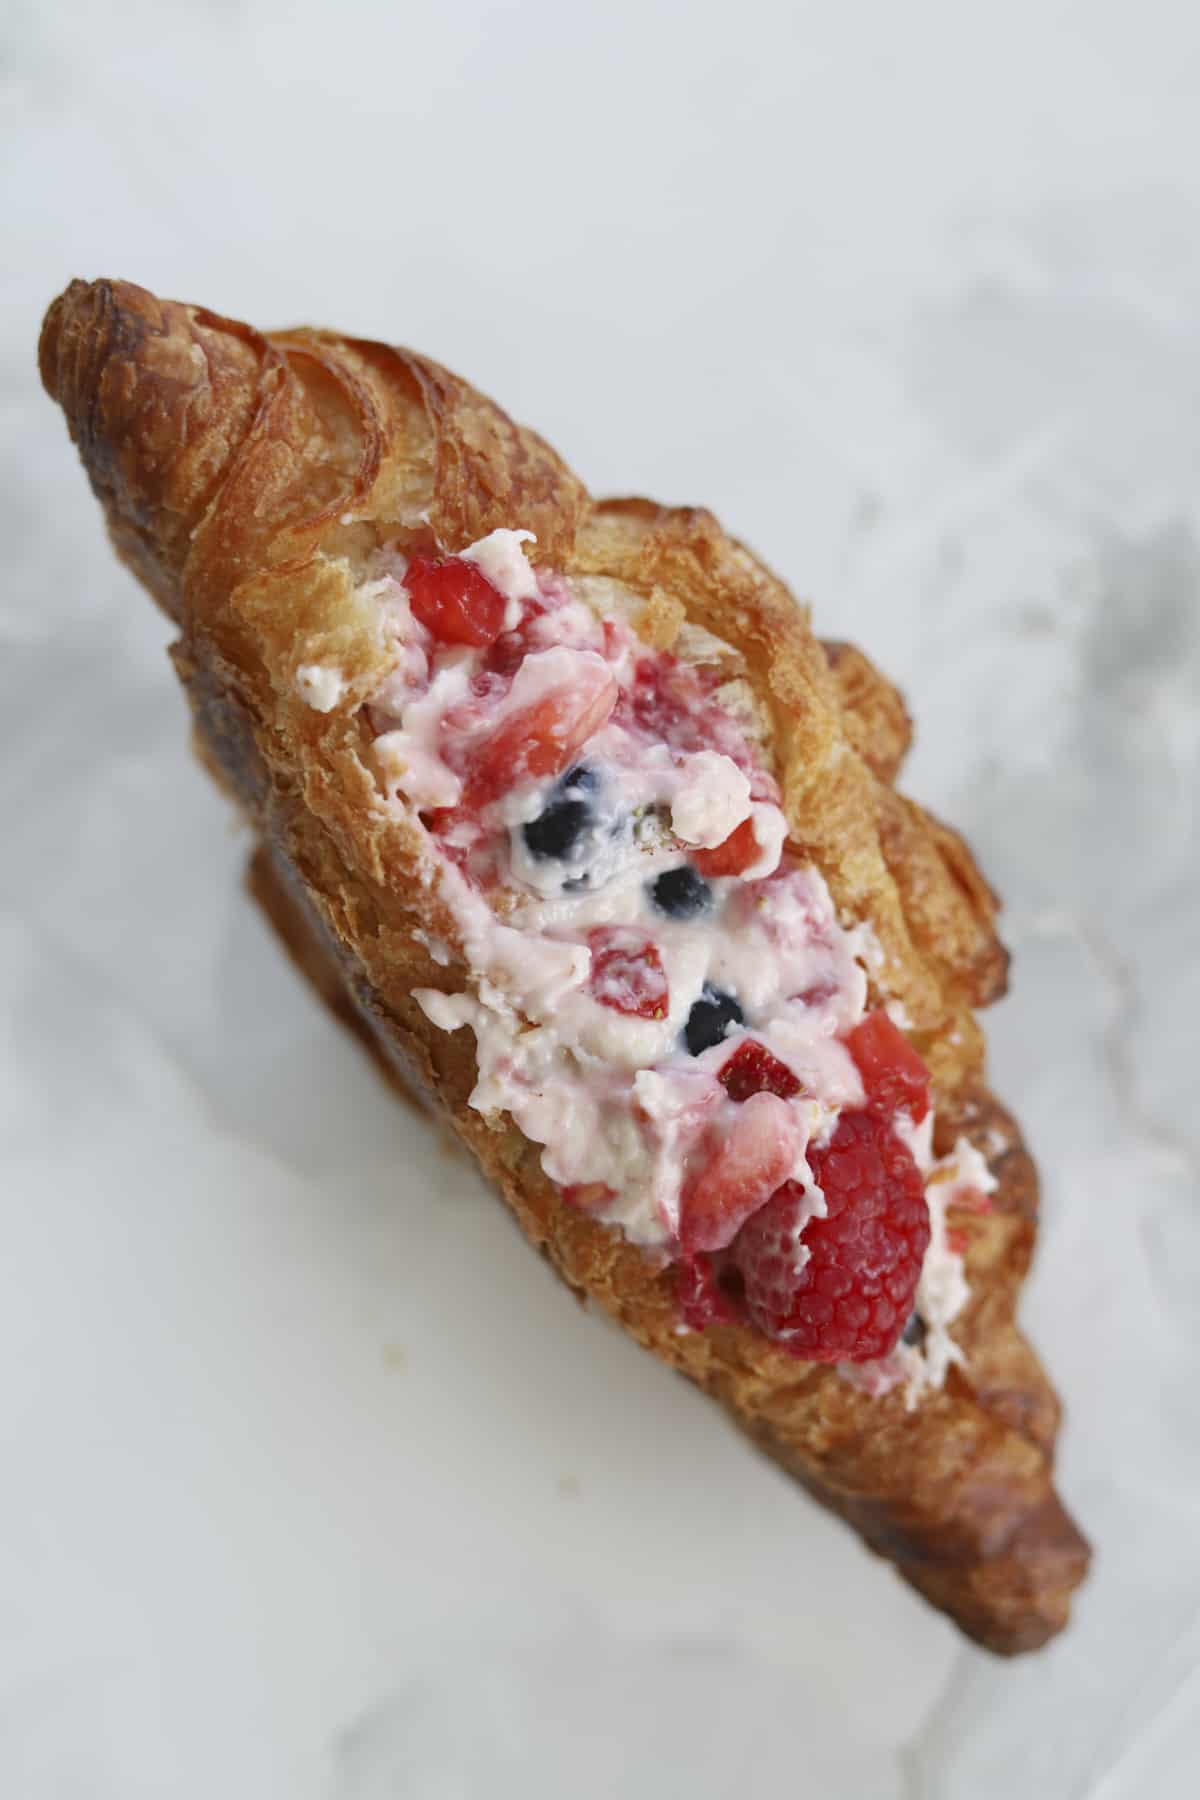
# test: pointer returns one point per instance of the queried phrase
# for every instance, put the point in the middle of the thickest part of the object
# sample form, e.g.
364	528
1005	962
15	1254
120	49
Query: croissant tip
80	305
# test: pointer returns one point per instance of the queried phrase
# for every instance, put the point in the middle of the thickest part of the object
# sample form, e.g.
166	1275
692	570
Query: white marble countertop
315	1486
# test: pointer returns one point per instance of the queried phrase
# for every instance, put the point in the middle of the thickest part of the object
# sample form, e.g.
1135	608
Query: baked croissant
564	805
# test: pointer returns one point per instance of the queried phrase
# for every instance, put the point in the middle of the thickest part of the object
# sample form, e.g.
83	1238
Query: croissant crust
246	479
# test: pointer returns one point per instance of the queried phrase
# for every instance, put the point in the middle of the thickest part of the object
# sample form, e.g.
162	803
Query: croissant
532	776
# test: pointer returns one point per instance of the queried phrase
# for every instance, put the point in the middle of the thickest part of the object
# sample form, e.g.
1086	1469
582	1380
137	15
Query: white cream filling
500	557
614	1099
712	799
573	1074
320	685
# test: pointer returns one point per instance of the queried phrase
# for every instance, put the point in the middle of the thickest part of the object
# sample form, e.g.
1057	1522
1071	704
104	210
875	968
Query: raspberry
851	1299
701	1301
627	972
455	600
893	1075
753	1070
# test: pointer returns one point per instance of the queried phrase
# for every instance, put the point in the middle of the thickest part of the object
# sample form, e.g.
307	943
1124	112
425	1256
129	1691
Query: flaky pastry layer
247	479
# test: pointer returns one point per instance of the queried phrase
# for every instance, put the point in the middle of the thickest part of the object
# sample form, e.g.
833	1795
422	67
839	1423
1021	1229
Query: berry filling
710	1018
541	739
739	851
893	1075
454	600
661	993
681	893
753	1070
627	973
849	1299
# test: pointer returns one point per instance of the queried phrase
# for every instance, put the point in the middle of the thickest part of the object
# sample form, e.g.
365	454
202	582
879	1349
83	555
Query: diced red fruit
973	1200
753	1070
893	1075
617	639
588	1196
454	599
701	1300
816	994
627	972
542	739
741	1172
957	1240
733	856
850	1300
512	647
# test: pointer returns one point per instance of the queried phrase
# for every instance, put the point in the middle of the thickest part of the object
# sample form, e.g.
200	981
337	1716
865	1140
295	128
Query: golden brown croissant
253	483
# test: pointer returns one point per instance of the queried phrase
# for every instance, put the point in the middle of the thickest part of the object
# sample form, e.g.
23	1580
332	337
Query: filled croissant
563	802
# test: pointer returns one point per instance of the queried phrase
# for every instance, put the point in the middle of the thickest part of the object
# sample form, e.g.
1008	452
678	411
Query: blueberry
681	893
914	1331
556	831
710	1018
558	828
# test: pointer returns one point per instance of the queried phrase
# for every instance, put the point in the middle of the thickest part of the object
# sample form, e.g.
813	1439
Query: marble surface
315	1486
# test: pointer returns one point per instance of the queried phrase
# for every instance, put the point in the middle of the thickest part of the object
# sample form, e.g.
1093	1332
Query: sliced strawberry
454	600
743	1169
893	1076
542	739
739	850
627	972
753	1070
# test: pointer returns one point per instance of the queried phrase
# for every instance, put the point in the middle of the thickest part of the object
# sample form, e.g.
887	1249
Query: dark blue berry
710	1018
914	1331
681	893
556	831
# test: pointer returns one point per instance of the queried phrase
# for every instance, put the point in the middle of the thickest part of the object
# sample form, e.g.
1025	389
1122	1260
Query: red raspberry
893	1075
753	1070
850	1301
627	972
454	599
701	1301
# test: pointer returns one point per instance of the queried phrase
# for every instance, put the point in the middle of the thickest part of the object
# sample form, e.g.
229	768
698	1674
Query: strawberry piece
816	993
627	972
744	1168
542	739
738	851
454	600
512	647
753	1070
588	1196
893	1075
701	1299
850	1300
